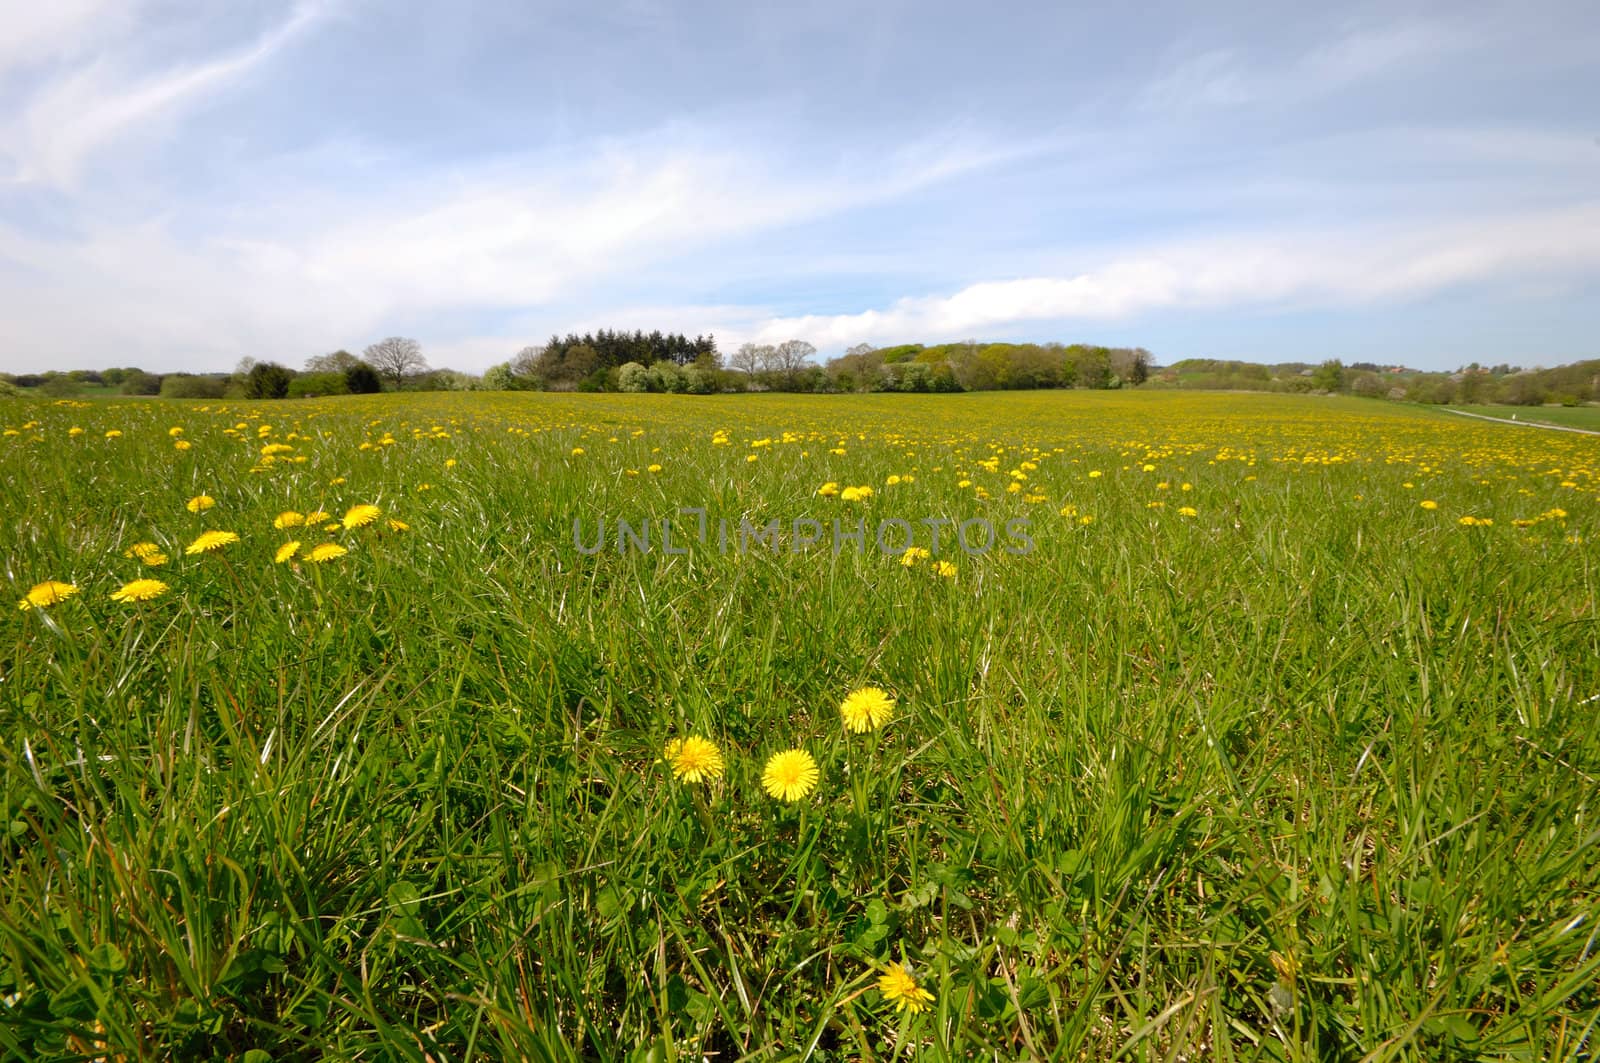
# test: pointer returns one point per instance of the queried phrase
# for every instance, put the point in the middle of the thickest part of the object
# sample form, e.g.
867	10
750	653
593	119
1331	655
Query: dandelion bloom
139	590
914	554
900	988
182	444
314	517
399	526
200	503
288	519
74	431
1095	474
147	553
175	431
653	468
828	490
789	775
694	759
115	433
50	592
1428	503
286	551
361	516
325	552
210	542
943	568
1187	511
866	709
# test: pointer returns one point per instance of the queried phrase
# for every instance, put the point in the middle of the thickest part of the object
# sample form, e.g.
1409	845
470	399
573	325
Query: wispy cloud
72	115
1220	78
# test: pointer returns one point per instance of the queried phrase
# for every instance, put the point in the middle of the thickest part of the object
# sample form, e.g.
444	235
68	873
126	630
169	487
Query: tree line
391	364
1569	385
609	360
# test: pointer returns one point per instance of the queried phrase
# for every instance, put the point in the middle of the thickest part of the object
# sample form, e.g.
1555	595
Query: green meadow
1263	729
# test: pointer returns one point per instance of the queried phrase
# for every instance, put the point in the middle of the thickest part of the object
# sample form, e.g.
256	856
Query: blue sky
183	184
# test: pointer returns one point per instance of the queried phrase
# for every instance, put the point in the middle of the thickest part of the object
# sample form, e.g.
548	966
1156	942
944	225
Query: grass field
1278	744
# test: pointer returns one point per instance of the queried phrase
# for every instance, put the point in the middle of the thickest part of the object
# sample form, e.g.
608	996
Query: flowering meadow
1135	726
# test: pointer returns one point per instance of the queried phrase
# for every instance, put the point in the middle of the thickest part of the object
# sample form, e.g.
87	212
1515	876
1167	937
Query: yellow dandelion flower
790	775
1095	474
694	759
399	526
314	517
210	542
175	431
1187	511
286	551
325	552
899	987
653	468
288	519
361	516
43	595
182	444
200	503
946	569
914	554
139	590
866	709
115	433
1428	503
74	431
577	452
828	490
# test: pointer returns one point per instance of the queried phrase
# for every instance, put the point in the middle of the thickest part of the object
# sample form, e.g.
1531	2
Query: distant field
1264	729
1574	416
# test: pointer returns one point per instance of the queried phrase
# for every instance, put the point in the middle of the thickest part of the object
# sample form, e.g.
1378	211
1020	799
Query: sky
184	184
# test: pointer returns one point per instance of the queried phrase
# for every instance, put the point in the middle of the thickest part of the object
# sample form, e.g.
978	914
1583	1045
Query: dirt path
1524	424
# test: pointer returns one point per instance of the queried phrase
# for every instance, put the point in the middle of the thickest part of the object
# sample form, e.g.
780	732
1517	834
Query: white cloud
507	237
1321	269
41	33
